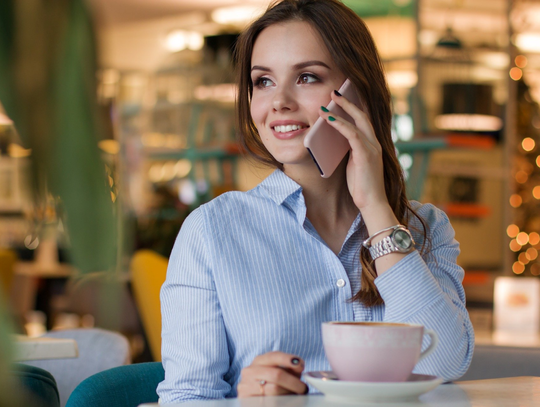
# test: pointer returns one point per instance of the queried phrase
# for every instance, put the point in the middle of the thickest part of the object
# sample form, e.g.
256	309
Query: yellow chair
148	271
8	258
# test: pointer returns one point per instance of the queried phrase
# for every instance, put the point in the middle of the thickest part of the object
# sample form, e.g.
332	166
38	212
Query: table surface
513	391
41	348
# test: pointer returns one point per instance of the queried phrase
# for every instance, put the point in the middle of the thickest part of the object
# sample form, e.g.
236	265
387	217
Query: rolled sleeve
428	290
194	345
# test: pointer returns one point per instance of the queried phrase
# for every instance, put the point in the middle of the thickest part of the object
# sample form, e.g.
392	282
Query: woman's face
293	76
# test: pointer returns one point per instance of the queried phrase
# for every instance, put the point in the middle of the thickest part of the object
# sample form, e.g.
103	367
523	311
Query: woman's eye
307	78
263	82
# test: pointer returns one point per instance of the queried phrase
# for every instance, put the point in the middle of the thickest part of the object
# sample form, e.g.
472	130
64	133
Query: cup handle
434	342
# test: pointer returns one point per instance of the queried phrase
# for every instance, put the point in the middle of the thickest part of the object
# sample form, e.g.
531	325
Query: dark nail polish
295	361
337	93
324	109
332	118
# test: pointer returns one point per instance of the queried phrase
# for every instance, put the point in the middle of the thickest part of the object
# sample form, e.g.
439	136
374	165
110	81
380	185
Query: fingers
361	119
280	372
284	360
278	381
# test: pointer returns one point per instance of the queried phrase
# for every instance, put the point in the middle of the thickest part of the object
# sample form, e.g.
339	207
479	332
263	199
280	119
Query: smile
287	128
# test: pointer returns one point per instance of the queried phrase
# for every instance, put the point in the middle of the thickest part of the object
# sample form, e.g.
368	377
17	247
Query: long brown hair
353	50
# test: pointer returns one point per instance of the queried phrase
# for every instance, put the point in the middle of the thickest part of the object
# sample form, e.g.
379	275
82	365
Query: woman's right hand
272	374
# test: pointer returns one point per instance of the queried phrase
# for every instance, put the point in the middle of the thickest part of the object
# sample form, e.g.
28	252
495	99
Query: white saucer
337	390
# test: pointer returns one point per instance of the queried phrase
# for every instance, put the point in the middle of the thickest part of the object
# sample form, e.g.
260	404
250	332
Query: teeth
286	129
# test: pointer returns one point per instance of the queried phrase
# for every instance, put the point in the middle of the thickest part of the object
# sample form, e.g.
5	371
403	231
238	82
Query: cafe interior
107	144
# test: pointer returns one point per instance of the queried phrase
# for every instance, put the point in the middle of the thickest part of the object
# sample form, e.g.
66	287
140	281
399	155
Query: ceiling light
236	14
528	42
468	122
402	79
179	40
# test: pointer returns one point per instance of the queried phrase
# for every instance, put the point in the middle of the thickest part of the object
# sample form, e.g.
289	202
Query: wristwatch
400	240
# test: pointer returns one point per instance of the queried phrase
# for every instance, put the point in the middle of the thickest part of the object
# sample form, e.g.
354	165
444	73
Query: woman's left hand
365	177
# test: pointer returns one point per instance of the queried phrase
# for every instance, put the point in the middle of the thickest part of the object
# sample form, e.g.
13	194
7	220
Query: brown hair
353	50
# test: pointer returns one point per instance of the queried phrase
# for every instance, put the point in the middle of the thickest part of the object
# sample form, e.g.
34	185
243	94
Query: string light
535	269
515	246
522	238
523	258
521	61
531	253
512	230
518	268
534	238
528	144
516	73
522	177
515	201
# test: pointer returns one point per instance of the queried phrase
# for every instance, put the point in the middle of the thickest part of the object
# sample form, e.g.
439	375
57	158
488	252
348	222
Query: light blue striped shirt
249	274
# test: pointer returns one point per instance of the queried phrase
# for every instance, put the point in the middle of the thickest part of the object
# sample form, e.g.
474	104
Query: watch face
402	239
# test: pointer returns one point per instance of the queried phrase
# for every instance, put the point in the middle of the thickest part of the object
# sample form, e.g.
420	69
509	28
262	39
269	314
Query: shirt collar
279	187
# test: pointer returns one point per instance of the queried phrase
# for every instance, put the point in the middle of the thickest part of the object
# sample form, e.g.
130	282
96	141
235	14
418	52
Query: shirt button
340	283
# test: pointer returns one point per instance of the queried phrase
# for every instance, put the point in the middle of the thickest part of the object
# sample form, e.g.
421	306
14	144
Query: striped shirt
249	274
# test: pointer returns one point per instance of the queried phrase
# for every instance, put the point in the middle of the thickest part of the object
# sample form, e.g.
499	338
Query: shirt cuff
407	287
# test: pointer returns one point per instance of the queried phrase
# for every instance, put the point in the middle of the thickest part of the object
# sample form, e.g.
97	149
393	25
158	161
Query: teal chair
123	386
38	385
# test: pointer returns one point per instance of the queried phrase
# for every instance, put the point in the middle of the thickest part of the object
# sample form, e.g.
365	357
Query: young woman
253	275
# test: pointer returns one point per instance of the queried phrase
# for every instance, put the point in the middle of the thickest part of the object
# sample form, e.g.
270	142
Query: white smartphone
325	144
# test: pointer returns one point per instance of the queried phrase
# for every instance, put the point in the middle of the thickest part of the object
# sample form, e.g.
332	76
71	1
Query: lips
287	129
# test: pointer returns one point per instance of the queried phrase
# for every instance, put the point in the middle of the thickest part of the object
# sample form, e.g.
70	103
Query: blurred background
465	83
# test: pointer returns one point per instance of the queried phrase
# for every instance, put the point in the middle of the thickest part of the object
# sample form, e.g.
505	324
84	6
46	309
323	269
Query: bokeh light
522	177
532	253
523	258
515	201
512	230
521	61
522	238
535	269
534	238
516	73
518	268
515	246
528	144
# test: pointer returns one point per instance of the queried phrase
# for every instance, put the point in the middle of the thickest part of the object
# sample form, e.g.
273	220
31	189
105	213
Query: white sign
517	304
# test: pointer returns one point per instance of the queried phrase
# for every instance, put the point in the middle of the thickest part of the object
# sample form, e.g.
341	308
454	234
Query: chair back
123	386
148	272
38	386
99	350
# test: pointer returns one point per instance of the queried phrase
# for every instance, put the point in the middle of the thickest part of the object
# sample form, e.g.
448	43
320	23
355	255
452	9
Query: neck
327	199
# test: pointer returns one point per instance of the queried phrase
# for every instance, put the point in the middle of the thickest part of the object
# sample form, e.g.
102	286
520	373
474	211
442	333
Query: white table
27	348
508	392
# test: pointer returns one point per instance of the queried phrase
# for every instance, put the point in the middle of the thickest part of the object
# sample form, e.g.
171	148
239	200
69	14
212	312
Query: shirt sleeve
194	345
428	290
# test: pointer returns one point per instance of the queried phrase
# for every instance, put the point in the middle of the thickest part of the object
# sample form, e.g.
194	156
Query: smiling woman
253	275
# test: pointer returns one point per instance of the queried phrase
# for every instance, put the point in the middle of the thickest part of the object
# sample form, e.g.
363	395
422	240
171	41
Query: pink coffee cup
375	351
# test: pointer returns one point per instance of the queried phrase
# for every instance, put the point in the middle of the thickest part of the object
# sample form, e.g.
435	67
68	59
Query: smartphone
325	144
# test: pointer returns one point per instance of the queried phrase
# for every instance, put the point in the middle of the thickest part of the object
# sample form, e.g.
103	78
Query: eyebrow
300	65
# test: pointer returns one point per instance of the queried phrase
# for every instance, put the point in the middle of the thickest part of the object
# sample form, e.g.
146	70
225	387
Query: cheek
257	111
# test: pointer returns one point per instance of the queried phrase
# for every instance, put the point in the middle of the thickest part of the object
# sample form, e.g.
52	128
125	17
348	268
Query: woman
253	275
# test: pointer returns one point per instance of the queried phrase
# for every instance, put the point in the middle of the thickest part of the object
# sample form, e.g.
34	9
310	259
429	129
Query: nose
284	100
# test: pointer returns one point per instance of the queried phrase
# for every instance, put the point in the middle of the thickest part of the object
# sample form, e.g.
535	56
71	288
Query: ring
261	385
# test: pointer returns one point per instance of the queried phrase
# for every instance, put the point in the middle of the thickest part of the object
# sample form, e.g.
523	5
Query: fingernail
337	93
332	118
295	361
324	109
